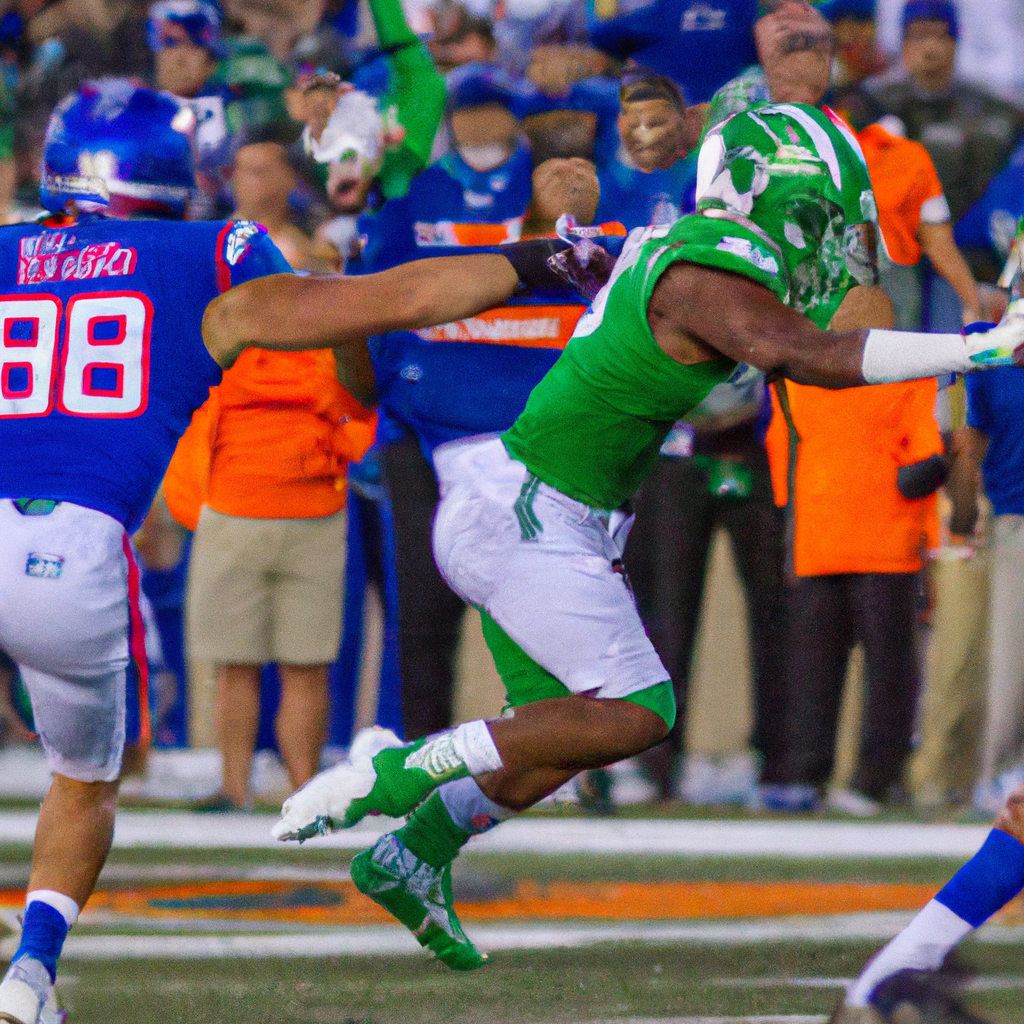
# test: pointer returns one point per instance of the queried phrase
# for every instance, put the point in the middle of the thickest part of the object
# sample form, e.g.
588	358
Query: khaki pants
952	706
1004	721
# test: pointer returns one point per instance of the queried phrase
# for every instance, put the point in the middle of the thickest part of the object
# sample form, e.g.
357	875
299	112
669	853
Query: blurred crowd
365	133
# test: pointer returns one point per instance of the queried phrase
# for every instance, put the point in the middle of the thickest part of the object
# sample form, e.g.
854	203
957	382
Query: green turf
536	987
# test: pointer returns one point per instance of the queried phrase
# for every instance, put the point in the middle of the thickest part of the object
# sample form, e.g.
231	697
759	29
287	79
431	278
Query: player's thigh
69	617
568	606
544	567
227	602
306	591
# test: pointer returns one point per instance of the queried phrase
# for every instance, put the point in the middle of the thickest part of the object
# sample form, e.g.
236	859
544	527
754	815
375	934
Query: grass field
600	982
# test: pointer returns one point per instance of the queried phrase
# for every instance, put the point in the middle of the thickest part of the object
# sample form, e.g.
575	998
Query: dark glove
921	479
529	260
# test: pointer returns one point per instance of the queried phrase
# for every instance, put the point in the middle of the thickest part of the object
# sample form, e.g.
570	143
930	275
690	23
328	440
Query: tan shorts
262	590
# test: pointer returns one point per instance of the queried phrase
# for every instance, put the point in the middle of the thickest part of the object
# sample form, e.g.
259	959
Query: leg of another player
238	697
517	760
985	884
301	724
73	837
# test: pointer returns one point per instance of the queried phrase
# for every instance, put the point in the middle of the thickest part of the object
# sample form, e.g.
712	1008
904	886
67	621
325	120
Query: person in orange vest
260	475
856	536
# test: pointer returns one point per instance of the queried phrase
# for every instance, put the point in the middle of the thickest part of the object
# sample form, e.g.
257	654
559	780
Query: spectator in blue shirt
699	44
651	180
987	230
994	441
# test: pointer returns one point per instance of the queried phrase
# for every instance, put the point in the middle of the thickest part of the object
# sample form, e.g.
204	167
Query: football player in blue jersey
101	367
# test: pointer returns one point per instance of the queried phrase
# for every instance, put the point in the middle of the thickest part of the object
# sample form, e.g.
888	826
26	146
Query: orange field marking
339	903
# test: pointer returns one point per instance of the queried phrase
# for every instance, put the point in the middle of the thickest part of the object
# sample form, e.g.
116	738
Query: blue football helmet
121	148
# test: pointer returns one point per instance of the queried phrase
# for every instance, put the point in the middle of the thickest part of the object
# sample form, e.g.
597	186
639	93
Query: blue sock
988	881
42	935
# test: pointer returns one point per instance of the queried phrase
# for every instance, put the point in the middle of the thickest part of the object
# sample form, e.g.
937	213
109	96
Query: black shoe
219	803
913	997
595	791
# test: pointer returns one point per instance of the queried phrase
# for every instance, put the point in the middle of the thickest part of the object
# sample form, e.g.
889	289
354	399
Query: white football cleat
321	805
27	996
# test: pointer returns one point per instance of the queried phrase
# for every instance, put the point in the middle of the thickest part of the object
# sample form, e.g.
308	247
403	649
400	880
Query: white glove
995	347
319	807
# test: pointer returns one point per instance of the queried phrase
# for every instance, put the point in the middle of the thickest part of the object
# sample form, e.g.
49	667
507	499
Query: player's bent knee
660	701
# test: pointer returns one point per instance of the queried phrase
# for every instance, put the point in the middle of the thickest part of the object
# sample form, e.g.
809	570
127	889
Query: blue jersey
475	375
637	199
699	44
995	406
103	362
449	204
991	223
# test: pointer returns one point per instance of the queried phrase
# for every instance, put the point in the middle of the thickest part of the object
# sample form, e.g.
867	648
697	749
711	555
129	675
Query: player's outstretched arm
289	313
696	311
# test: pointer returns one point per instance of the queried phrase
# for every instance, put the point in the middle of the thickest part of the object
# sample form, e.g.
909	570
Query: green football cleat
420	896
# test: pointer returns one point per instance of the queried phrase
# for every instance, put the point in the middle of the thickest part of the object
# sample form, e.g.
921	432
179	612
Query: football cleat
420	896
27	995
334	799
911	997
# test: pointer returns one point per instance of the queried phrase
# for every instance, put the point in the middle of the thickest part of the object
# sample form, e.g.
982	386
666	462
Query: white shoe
321	806
851	802
27	996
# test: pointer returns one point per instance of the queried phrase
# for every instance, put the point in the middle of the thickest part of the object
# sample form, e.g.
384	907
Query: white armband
892	356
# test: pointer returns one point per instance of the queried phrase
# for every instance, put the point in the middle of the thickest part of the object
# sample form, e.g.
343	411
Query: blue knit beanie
932	10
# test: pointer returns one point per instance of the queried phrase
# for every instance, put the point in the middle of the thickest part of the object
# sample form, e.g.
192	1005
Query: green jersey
784	198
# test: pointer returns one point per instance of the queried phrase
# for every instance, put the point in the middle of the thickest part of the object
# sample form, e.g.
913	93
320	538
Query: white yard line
985	983
396	941
805	839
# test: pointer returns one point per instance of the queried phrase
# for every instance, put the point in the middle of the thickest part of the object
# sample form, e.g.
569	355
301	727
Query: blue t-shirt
995	406
637	200
102	361
991	223
699	44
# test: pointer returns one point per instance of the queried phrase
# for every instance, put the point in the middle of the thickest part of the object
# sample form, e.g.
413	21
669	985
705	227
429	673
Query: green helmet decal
792	176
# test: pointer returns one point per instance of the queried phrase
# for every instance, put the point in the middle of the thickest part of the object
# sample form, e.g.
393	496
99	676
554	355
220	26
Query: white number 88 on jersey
101	370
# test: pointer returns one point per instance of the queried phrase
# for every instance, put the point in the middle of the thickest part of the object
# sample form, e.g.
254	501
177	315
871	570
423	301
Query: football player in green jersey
776	270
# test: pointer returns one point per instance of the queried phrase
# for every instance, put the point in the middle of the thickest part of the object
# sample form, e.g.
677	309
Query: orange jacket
273	441
848	515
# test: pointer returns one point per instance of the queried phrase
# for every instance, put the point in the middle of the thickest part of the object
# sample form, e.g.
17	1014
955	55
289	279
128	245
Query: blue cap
861	10
932	10
474	85
116	145
199	20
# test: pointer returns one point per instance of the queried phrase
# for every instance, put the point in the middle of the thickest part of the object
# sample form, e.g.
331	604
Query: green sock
432	835
407	775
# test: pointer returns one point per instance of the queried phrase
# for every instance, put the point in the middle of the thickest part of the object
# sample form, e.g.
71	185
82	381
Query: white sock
922	945
891	356
64	905
470	808
475	747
